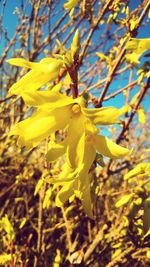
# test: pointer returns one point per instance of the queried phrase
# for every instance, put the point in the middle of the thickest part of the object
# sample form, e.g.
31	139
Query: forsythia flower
46	70
142	170
78	179
137	47
56	111
70	4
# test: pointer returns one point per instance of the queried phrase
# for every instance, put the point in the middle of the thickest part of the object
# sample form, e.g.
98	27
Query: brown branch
104	10
126	126
110	76
11	43
119	258
68	233
73	72
120	56
96	241
144	90
129	86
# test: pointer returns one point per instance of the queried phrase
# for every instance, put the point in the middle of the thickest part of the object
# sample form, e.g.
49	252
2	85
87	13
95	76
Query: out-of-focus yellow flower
70	4
137	47
41	73
142	170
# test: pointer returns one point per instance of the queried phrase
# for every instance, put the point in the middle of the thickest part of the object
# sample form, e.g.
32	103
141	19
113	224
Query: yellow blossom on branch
41	73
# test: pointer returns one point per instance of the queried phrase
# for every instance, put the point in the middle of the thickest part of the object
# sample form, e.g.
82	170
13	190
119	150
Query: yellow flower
46	70
54	112
142	170
78	179
70	4
137	47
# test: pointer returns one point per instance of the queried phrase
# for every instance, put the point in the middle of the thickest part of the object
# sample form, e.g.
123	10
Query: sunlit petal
75	149
50	65
30	82
109	149
65	193
56	150
46	99
40	125
106	115
86	196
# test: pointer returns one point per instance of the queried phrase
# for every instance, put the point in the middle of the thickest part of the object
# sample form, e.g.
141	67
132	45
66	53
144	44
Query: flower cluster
55	111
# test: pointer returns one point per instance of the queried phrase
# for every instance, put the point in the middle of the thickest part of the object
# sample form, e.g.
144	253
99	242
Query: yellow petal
30	82
36	78
20	62
67	175
106	115
75	46
123	200
140	169
146	217
70	4
139	46
90	127
141	115
86	196
109	149
57	87
47	99
84	177
65	193
75	149
56	150
45	65
40	125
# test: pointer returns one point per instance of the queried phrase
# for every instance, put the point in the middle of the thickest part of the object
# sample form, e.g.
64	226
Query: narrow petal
19	62
75	149
56	150
109	149
84	177
30	82
106	115
46	99
49	65
67	175
86	196
40	125
141	169
65	193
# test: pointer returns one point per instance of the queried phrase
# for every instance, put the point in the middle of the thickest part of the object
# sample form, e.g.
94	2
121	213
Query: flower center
76	108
